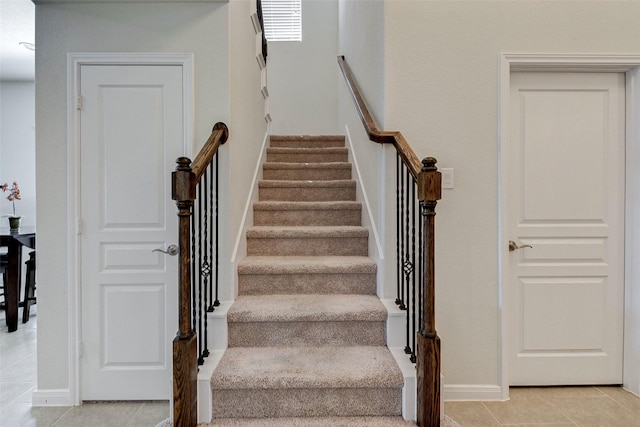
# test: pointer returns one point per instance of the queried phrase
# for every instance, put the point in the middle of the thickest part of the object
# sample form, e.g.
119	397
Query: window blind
282	20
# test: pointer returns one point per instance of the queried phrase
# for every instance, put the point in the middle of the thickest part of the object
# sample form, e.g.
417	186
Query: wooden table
14	241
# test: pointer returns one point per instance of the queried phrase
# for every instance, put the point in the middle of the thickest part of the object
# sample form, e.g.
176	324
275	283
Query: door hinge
80	350
79	226
79	102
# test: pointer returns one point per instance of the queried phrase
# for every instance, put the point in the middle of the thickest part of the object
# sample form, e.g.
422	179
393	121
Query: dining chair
29	287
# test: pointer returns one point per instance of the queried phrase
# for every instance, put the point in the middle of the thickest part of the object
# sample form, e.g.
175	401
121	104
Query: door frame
74	63
553	62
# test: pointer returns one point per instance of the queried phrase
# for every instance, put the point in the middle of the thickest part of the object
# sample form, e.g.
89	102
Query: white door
131	134
566	200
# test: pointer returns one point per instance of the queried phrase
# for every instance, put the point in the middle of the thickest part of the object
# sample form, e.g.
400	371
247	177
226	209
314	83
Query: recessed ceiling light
28	45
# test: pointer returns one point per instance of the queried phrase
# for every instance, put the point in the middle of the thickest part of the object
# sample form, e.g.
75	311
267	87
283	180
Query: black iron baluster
216	302
407	267
194	209
200	264
413	272
421	271
402	244
398	231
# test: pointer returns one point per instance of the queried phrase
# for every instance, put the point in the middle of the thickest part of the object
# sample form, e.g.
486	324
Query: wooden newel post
185	356
428	342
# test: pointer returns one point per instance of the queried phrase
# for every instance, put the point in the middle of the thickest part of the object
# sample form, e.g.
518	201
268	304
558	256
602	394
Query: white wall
441	91
302	75
201	28
247	130
361	42
17	148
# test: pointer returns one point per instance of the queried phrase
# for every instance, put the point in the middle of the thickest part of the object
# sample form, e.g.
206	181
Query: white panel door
566	200
131	134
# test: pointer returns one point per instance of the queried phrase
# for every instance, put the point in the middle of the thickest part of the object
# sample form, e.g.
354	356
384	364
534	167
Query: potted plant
14	194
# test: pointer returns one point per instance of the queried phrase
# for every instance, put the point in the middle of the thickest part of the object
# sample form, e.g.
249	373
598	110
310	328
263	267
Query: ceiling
17	24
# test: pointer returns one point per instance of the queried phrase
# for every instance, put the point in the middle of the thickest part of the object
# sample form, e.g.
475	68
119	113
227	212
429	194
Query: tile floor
528	407
552	407
18	381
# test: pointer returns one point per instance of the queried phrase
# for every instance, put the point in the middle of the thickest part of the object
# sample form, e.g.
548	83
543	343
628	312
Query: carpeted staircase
307	334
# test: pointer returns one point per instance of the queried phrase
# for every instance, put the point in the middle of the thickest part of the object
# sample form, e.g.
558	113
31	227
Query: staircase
307	333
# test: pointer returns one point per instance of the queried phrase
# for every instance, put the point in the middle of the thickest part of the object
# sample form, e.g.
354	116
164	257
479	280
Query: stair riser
307	174
307	402
306	194
307	217
342	246
306	334
270	284
307	157
306	143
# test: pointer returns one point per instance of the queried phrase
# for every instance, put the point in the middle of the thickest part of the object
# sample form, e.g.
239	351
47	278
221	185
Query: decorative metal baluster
216	302
407	267
398	230
194	266
402	244
413	273
421	270
201	263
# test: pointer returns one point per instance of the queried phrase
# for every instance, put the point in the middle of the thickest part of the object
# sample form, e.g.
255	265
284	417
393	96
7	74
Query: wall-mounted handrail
421	181
384	137
188	351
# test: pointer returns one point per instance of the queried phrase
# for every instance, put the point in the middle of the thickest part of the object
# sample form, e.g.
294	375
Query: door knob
513	246
171	250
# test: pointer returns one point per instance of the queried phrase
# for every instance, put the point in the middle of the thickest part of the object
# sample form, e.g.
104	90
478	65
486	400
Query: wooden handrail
219	135
185	356
428	179
383	137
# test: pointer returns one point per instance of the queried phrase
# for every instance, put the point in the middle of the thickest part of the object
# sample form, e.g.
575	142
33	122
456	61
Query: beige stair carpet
307	332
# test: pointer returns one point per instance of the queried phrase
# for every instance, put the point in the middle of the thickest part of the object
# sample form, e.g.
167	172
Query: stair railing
421	182
195	190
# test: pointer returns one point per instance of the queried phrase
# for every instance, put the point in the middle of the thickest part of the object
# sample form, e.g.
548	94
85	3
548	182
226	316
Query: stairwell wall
248	131
302	77
361	41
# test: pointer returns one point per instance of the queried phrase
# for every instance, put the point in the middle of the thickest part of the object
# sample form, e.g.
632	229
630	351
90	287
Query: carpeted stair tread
307	213
307	367
313	422
257	232
307	308
261	275
307	155
309	190
336	183
308	264
306	171
307	141
306	206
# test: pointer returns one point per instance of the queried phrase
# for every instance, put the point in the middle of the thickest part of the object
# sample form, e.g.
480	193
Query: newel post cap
183	185
429	181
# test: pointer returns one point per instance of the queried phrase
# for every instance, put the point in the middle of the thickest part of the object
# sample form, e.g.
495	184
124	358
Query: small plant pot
14	223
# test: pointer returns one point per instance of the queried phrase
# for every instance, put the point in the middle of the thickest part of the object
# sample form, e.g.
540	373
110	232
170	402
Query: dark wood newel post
428	342
185	357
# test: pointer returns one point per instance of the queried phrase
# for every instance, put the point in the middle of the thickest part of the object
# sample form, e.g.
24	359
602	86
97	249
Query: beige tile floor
18	373
552	407
528	407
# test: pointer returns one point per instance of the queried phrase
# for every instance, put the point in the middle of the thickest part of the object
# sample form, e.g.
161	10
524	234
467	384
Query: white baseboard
51	397
472	392
247	214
